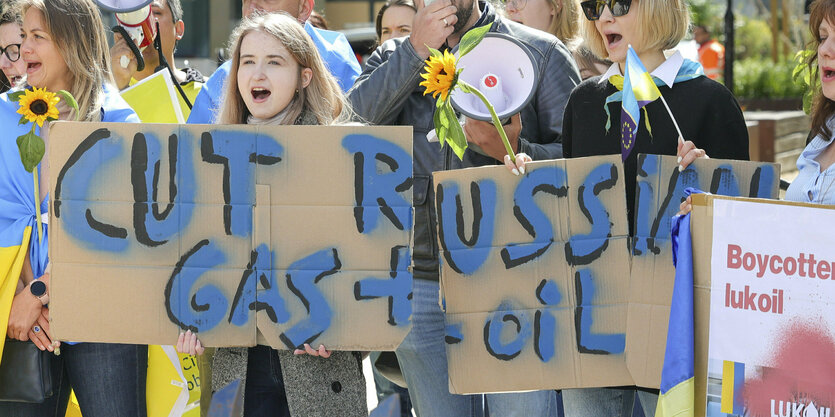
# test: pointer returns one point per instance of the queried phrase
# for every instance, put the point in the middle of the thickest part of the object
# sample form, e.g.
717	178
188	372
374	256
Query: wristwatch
38	289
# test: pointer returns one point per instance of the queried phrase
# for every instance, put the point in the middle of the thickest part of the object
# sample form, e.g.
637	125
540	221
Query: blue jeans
386	388
616	402
264	393
108	379
422	357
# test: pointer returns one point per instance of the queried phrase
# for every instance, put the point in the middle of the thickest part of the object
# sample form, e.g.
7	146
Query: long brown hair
77	30
322	98
822	108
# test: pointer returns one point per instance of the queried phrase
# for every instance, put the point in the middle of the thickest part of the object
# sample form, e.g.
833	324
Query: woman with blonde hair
278	78
708	116
560	18
64	47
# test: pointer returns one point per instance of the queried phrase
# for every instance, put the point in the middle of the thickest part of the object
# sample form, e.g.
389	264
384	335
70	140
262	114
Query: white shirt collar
665	72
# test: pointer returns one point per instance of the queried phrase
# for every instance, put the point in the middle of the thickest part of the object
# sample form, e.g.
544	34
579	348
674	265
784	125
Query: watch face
37	288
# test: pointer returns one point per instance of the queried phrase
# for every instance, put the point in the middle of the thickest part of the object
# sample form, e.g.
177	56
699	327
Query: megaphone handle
140	62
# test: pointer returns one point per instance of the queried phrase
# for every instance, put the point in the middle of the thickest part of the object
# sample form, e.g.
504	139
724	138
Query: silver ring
36	329
445	22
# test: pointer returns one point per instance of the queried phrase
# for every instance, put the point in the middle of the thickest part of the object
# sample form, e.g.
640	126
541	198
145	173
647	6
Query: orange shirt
712	58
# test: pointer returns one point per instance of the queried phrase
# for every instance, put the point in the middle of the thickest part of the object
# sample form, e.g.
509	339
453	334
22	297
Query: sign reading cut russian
545	286
299	231
772	331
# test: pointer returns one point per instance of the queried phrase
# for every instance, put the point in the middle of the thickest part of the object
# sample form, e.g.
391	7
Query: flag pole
675	123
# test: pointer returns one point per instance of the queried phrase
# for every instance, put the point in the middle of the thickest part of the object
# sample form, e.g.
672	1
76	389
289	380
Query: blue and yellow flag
677	396
639	89
17	213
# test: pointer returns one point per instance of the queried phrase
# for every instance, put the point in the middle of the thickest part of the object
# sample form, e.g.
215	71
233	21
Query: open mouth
15	79
260	95
613	38
32	67
828	73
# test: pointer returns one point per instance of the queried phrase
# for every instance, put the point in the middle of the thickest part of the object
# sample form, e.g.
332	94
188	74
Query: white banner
772	310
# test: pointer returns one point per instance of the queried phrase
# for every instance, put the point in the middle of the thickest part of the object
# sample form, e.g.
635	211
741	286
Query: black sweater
706	111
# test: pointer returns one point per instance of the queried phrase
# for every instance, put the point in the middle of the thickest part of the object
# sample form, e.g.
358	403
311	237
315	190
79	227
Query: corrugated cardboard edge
702	233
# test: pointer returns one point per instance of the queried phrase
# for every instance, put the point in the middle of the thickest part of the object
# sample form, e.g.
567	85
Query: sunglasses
11	51
594	8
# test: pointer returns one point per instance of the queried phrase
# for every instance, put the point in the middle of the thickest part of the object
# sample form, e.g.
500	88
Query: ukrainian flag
638	90
17	213
677	396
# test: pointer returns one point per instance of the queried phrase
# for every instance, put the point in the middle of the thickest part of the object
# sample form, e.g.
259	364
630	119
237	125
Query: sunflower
38	106
440	75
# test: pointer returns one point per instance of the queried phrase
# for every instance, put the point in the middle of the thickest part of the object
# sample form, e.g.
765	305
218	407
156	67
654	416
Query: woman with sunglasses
13	68
707	114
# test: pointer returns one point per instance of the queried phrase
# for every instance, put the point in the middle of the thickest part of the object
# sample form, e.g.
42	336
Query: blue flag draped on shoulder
677	396
17	213
639	89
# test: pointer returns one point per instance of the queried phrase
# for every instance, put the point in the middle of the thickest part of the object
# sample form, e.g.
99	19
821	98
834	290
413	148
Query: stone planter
771	104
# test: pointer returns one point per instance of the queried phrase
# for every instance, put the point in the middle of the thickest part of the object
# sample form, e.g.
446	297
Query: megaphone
136	24
504	70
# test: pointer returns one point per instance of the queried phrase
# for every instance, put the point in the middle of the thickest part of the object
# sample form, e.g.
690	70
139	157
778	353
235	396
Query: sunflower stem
496	122
38	206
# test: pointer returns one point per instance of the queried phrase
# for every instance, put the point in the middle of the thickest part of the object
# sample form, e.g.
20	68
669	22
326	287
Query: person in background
318	20
589	64
65	48
172	27
560	18
395	19
395	69
278	78
707	113
13	68
711	52
333	48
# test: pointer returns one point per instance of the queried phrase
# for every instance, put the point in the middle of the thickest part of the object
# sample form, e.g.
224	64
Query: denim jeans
386	388
422	357
616	402
108	380
264	393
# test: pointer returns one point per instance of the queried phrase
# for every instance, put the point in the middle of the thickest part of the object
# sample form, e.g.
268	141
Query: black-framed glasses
594	8
12	51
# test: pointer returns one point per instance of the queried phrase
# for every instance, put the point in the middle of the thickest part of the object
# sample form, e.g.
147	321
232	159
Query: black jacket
387	93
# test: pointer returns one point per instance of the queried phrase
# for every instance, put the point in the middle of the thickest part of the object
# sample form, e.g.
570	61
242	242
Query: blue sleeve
207	103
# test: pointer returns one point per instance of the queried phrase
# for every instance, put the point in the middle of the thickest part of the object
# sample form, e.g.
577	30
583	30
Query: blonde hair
78	33
322	98
662	25
566	23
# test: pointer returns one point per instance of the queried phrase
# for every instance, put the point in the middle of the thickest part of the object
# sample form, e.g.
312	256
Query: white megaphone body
136	21
503	70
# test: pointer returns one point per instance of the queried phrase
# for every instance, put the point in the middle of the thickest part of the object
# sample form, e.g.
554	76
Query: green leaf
16	95
434	52
443	117
32	149
471	39
70	100
457	140
23	120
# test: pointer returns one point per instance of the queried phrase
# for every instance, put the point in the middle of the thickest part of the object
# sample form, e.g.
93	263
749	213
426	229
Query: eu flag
638	90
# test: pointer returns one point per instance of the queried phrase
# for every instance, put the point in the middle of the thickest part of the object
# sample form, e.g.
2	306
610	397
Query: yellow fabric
151	100
11	263
679	401
728	387
73	410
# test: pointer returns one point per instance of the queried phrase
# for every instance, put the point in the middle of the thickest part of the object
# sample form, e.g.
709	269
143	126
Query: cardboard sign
301	232
765	279
545	289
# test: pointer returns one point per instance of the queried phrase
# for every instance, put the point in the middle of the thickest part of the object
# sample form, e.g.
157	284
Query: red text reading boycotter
805	265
